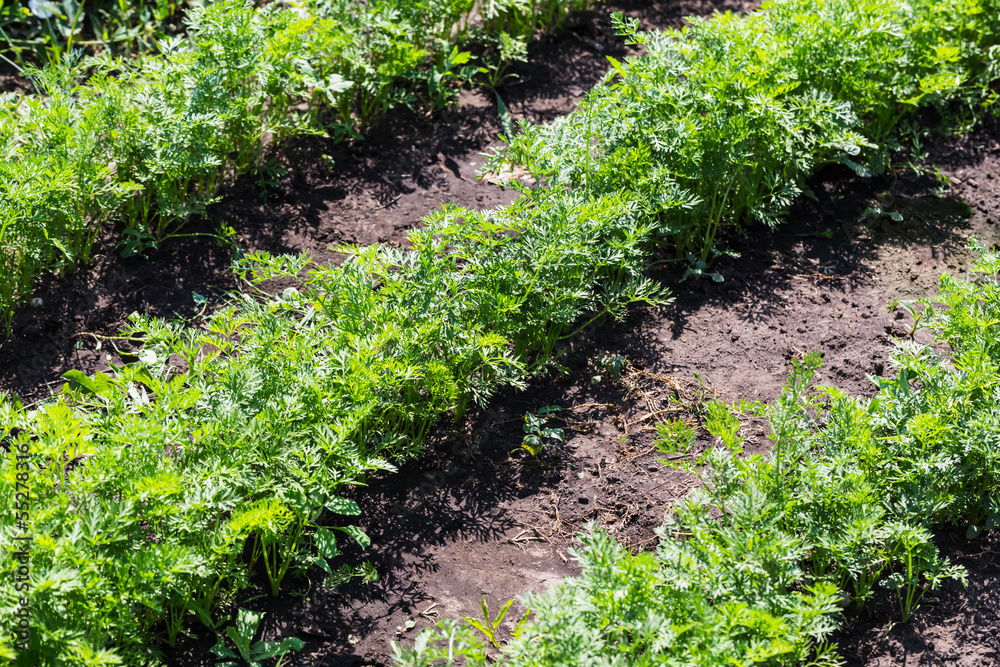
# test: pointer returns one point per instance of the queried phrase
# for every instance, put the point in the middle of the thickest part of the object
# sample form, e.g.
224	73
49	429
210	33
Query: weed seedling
536	433
450	71
613	365
137	242
247	654
943	187
875	212
268	176
910	308
919	562
489	627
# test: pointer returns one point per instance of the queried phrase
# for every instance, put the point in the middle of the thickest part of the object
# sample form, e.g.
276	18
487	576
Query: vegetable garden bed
478	515
451	528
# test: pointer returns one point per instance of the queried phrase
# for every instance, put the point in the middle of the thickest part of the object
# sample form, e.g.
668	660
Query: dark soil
11	80
473	517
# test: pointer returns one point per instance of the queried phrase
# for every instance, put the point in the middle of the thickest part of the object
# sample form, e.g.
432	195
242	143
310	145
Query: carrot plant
756	566
721	122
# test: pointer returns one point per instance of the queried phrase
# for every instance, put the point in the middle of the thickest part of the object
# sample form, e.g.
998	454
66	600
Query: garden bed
471	519
365	192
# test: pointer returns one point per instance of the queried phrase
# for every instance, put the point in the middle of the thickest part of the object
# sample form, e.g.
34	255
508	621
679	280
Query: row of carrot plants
147	142
758	566
219	458
721	123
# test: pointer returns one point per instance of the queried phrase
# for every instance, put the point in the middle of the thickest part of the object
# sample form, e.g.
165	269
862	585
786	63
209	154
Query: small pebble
36	302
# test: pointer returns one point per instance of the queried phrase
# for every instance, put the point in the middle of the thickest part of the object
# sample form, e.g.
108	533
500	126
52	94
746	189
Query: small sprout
613	365
247	651
876	212
908	307
943	188
489	626
136	242
698	268
859	169
535	432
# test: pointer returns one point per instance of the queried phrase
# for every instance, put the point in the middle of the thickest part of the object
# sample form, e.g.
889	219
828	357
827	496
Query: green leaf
260	648
554	433
135	242
204	614
149	356
502	614
506	120
343	506
80	381
616	64
478	625
520	624
356	534
247	622
304	505
326	543
338	84
533	444
420	643
270	649
242	643
457	58
859	169
223	651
